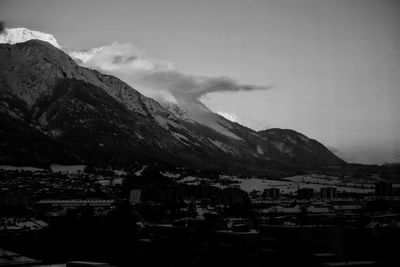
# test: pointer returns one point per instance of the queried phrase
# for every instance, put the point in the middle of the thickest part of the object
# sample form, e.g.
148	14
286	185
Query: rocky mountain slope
303	150
53	110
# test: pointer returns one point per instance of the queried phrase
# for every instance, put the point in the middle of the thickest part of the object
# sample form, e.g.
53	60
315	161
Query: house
328	192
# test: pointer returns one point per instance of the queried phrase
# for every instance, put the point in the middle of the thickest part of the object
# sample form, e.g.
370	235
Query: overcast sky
332	67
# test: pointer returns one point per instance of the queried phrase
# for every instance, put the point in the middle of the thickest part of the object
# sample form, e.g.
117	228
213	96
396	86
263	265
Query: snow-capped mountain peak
20	35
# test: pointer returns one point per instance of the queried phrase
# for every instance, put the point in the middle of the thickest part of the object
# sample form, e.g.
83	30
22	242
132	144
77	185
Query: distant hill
305	151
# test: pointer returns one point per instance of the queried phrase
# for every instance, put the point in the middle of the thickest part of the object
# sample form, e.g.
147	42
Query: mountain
305	151
53	110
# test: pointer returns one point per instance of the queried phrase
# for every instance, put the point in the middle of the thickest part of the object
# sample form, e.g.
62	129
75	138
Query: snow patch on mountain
219	128
260	150
181	138
84	56
292	140
166	122
55	133
15	114
43	119
223	147
304	138
214	121
282	147
20	35
176	110
228	116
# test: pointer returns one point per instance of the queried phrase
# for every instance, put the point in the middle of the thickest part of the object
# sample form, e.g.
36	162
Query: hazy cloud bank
156	78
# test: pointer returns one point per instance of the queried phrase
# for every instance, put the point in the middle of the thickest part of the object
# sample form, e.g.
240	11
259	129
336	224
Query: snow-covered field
288	185
120	172
71	169
191	180
65	169
257	184
318	179
139	172
14	168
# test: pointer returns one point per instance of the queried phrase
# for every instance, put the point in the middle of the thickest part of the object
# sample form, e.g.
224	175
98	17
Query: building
305	193
328	192
15	199
86	264
135	196
383	189
271	193
71	203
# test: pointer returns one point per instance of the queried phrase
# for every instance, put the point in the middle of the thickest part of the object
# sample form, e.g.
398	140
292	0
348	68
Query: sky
329	69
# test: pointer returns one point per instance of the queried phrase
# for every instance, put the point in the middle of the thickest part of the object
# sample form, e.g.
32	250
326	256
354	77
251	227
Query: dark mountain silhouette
53	110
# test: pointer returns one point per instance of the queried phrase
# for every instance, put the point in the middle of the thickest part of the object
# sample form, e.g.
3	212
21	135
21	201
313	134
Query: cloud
161	80
151	74
119	58
191	88
394	160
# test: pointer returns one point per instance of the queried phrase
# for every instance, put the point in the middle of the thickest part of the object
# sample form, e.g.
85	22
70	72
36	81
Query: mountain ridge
39	82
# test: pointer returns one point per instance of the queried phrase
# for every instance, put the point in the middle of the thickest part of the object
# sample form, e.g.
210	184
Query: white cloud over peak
159	79
124	58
